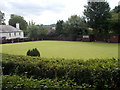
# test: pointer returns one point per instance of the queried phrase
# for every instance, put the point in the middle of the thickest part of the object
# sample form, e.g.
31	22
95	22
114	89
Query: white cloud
45	11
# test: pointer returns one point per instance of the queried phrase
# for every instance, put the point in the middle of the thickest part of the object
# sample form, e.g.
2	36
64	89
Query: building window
14	33
19	33
10	34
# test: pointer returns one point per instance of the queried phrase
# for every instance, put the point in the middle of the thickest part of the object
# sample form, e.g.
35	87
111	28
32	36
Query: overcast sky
46	11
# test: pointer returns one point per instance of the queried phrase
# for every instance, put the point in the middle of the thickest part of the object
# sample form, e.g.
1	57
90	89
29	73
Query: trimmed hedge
97	73
22	82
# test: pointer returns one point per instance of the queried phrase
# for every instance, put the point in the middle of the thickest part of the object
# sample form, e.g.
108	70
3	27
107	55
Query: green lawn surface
64	49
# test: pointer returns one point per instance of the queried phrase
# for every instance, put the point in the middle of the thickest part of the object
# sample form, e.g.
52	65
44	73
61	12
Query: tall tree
43	30
74	26
97	14
116	9
59	27
18	19
2	19
115	20
33	31
37	31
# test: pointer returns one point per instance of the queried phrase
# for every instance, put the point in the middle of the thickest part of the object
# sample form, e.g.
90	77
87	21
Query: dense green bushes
22	82
94	73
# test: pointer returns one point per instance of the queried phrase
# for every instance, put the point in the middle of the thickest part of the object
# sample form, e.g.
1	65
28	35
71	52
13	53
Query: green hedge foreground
92	73
15	82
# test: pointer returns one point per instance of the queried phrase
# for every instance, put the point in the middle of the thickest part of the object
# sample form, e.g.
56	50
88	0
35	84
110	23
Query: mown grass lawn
64	49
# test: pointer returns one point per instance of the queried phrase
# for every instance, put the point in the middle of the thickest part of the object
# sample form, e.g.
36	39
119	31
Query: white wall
12	35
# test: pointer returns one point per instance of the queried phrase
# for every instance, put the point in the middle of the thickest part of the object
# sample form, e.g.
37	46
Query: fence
91	38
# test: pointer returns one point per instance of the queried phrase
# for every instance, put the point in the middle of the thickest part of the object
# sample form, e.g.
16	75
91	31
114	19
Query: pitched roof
8	28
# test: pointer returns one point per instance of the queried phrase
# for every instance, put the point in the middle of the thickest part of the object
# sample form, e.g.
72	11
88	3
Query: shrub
33	52
28	53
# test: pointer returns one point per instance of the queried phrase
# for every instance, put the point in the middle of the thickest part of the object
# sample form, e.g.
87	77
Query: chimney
17	26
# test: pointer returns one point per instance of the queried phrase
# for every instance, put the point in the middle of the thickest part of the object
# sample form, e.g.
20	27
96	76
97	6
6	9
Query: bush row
22	82
99	73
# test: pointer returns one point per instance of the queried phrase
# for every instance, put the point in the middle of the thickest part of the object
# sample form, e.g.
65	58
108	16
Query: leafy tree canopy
59	27
2	18
74	26
33	31
37	31
18	19
114	21
97	14
116	9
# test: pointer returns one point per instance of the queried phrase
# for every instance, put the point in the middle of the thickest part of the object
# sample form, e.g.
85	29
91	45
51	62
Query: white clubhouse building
10	32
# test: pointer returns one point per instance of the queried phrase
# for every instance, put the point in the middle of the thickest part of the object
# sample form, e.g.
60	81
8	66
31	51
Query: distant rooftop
8	28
